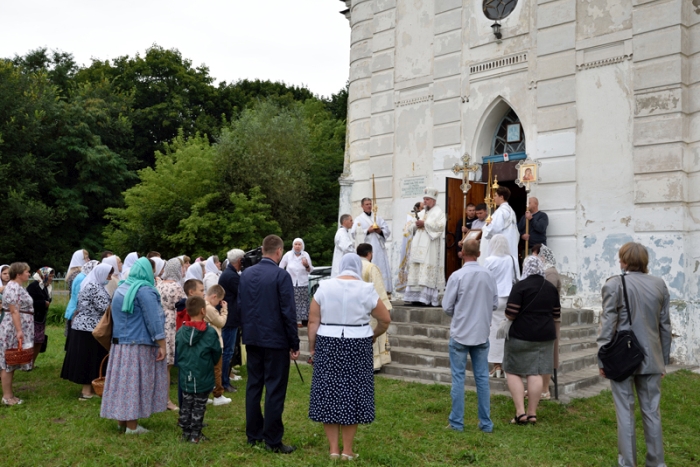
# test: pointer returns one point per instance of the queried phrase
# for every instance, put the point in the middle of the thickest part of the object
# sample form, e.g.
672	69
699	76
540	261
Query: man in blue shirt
470	297
269	332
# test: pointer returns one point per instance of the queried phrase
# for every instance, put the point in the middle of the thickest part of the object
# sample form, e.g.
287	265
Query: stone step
580	331
442	345
436	316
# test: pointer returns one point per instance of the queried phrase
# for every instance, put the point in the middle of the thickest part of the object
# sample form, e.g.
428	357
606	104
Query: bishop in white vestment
343	243
426	270
364	233
503	222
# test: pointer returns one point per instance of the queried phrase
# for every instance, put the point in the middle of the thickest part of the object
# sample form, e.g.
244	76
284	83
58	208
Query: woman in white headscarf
116	263
194	272
128	262
171	292
503	268
77	261
84	354
160	264
340	342
212	272
41	291
297	262
533	305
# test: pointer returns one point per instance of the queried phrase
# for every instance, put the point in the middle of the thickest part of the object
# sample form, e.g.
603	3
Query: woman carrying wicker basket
16	329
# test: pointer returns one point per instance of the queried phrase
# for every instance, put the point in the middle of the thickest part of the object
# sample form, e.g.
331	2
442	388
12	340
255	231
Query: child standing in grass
198	350
215	296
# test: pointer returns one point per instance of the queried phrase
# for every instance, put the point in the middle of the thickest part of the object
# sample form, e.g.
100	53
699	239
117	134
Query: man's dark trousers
268	368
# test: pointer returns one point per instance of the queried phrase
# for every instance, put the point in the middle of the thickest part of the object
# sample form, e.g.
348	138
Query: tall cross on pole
463	169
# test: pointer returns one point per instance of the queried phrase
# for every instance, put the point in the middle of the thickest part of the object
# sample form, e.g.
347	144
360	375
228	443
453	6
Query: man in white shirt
343	243
504	222
365	233
470	297
426	270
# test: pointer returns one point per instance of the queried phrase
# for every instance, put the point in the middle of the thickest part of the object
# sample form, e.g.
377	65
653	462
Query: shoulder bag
622	355
516	279
103	331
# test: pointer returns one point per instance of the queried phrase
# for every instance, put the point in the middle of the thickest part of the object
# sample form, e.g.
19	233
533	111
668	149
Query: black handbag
622	355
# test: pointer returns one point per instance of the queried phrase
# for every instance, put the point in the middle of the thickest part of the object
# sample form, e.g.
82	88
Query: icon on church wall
513	133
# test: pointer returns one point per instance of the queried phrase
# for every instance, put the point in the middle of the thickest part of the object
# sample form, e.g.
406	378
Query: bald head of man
533	205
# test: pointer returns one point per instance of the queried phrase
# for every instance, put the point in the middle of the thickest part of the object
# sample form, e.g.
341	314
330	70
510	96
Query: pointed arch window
506	139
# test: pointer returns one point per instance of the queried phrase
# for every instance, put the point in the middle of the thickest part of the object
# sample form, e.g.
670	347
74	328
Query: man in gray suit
651	323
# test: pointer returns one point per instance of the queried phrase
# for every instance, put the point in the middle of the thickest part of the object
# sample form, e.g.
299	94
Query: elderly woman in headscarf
16	328
195	272
129	261
297	262
160	265
74	292
549	264
84	354
340	343
77	261
170	293
136	380
503	268
4	276
533	305
212	270
116	263
41	291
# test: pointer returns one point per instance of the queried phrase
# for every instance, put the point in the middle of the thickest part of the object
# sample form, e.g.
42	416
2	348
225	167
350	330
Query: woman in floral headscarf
297	262
41	291
74	292
170	293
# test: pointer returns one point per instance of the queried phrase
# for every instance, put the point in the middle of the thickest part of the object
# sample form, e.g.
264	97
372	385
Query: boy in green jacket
197	349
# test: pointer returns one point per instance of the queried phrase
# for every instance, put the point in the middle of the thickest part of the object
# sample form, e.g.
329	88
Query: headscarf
128	263
224	265
3	266
351	265
302	247
160	263
210	266
77	260
173	270
532	266
140	275
88	267
194	272
547	257
112	261
199	259
42	277
498	246
97	276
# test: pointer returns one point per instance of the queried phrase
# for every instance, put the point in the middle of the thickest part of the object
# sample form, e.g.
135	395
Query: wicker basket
19	356
98	385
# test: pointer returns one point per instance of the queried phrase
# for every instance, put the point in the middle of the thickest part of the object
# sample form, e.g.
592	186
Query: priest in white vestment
503	222
364	233
344	243
426	269
372	274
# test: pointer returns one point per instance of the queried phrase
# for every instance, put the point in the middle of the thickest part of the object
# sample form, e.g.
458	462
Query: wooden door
455	203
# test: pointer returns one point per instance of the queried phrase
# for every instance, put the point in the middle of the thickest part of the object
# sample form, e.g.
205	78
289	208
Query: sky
296	41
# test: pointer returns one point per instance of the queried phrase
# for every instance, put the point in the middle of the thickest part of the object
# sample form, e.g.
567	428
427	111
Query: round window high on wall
498	9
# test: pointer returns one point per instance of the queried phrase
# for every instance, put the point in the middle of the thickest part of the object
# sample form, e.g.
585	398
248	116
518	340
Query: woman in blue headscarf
136	381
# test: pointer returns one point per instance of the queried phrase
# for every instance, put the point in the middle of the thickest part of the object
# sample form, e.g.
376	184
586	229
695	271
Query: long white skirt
496	345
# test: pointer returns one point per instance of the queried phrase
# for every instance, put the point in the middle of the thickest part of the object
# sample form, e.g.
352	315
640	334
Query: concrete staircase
419	351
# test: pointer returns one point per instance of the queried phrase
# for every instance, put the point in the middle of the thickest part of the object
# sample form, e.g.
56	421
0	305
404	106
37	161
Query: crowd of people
187	314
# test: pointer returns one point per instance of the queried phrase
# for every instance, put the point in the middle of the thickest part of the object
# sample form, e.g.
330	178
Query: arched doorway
501	133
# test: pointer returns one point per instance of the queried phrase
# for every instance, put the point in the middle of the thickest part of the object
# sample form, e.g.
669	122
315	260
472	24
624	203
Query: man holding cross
538	223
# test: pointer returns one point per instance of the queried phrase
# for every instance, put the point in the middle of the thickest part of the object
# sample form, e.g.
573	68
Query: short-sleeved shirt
93	301
15	295
534	302
345	308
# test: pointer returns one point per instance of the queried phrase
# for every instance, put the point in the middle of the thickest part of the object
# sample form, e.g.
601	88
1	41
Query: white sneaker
210	401
236	378
139	430
221	400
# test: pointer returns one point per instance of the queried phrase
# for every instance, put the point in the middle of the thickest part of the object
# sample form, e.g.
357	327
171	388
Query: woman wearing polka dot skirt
340	339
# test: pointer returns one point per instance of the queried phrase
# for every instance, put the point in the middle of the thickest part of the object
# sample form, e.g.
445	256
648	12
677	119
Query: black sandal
532	419
518	420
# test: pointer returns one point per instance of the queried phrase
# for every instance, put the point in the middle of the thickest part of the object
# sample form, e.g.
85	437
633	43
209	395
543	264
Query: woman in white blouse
503	268
298	264
340	342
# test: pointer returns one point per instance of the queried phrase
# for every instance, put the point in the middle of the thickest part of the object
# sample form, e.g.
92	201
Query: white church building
607	94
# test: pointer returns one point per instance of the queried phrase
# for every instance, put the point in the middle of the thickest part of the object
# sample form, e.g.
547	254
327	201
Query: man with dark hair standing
269	331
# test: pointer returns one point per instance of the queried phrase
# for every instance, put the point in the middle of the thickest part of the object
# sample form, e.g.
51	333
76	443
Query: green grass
53	428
